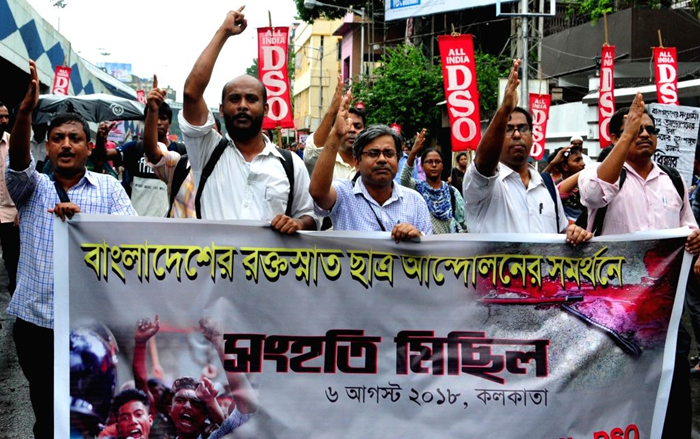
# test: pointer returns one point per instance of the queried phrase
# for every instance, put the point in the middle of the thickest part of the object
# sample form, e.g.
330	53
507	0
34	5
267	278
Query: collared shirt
502	203
34	194
239	190
355	209
183	204
650	204
341	170
8	212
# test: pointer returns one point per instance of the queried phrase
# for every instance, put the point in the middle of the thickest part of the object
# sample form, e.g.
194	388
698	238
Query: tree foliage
595	9
331	13
253	69
408	86
404	90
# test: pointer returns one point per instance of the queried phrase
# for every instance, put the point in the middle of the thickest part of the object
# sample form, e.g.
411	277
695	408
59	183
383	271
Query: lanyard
62	195
381	225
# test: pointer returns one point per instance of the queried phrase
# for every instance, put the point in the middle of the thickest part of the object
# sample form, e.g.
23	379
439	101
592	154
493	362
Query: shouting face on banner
243	107
518	141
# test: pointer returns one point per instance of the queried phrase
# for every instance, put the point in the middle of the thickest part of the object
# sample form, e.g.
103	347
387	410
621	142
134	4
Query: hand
235	22
418	144
696	268
404	232
31	98
576	235
211	329
343	123
145	329
692	244
65	210
337	96
205	391
155	97
286	225
633	119
105	128
559	158
510	97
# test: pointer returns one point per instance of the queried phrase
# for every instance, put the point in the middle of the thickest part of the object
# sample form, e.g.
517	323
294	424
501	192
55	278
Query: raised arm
20	158
324	129
194	107
489	150
320	188
243	393
559	158
609	170
145	329
150	130
417	147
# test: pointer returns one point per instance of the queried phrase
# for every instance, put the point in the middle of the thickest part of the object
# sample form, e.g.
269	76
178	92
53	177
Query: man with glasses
374	202
648	200
502	193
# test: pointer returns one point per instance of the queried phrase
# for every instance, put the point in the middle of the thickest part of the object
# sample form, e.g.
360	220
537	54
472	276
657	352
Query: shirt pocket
275	200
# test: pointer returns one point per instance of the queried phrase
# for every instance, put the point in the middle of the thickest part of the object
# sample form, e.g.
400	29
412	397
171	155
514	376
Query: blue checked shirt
355	209
34	194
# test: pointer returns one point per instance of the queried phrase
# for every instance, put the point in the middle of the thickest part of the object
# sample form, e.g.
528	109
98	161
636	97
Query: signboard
606	95
459	75
61	81
539	108
508	336
121	71
677	138
399	9
272	70
666	75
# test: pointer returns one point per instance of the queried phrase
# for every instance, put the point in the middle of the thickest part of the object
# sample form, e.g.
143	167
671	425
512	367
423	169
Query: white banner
678	137
399	9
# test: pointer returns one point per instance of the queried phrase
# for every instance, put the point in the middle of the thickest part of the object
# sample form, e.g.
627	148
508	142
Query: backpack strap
600	213
288	166
675	178
206	172
452	200
179	175
549	183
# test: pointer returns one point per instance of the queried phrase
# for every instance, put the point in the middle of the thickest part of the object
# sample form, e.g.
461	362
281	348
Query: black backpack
181	170
597	229
287	164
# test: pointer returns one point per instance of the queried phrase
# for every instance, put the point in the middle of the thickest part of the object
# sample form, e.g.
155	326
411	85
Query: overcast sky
163	37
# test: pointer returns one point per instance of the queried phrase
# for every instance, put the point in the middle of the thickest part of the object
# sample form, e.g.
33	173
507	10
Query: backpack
599	219
553	192
286	161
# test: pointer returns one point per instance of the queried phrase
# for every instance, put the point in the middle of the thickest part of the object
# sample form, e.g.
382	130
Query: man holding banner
38	199
250	179
497	195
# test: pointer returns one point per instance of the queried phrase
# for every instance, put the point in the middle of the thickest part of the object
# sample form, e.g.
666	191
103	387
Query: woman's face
432	165
463	161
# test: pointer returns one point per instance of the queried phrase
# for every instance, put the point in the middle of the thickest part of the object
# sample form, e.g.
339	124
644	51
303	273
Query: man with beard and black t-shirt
251	179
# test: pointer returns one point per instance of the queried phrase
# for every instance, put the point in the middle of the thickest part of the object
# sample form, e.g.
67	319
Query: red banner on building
272	71
539	108
61	81
666	74
141	96
457	54
606	94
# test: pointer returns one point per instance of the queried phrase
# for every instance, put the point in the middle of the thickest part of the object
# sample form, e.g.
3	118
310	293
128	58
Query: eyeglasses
522	129
375	153
651	129
432	162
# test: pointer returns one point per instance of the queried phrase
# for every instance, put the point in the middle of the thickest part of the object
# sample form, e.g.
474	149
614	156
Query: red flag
606	94
141	96
666	73
395	128
272	71
459	72
539	108
61	81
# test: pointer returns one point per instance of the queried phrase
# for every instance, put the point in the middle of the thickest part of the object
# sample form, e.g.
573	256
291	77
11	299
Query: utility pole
320	82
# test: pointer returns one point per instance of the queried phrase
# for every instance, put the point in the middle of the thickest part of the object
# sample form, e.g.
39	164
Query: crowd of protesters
365	178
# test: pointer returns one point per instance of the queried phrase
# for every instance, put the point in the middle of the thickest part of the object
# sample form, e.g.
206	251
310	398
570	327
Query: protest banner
343	333
539	106
459	72
61	81
678	137
606	94
141	96
272	72
666	75
118	133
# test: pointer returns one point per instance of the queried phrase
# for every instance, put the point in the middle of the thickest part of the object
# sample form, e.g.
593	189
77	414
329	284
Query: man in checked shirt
37	199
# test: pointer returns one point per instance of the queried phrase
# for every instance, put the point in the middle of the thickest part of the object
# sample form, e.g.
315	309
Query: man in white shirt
510	196
9	229
249	180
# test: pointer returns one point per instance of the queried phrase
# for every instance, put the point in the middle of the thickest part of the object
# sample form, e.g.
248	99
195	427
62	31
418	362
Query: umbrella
92	107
